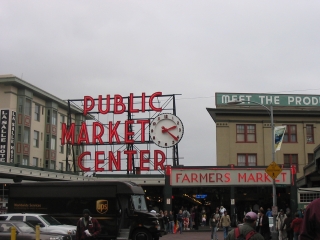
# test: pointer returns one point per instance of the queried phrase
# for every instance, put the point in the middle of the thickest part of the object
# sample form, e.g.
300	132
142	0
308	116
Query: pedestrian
225	223
196	218
269	212
87	227
191	219
186	216
310	227
296	225
166	221
222	210
213	222
171	222
263	225
247	228
279	225
180	220
287	227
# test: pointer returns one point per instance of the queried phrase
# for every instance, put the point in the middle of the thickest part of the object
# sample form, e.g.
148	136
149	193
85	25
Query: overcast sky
73	48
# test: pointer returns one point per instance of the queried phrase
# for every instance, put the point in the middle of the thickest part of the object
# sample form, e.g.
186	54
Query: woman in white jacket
279	225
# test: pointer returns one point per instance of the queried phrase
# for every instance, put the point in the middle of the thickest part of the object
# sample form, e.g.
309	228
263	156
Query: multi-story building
243	131
31	121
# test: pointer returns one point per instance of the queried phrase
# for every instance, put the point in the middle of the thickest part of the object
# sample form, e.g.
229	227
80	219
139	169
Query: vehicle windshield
50	220
25	227
139	202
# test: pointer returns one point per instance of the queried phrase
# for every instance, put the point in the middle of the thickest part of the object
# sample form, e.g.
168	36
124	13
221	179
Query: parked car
26	231
46	222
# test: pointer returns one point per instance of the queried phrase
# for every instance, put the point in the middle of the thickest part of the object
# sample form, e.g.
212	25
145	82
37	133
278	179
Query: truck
120	207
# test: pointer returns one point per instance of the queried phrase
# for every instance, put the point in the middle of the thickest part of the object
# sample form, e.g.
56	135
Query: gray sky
194	48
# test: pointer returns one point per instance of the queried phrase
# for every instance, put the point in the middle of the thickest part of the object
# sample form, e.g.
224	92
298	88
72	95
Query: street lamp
270	110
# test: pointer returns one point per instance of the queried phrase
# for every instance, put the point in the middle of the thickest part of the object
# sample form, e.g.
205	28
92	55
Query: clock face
166	130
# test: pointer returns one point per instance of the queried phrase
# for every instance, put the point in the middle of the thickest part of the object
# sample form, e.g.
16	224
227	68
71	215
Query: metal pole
274	233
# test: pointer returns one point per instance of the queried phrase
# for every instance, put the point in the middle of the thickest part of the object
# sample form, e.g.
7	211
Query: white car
46	222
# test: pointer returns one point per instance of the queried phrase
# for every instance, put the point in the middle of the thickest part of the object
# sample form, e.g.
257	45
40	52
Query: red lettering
156	94
100	104
81	156
87	108
194	177
67	134
185	178
114	161
130	153
227	176
98	161
83	134
284	176
178	175
251	178
259	177
97	136
203	177
211	176
113	132
266	177
159	164
144	160
242	177
119	106
127	134
219	177
143	102
131	103
143	123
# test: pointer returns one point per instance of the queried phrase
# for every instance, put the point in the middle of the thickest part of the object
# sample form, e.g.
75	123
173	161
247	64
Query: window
33	220
26	134
20	104
246	133
35	162
37	112
27	107
53	143
310	132
36	139
61	149
19	133
310	157
62	119
25	160
61	166
247	160
291	159
290	135
47	141
48	116
52	164
47	164
54	118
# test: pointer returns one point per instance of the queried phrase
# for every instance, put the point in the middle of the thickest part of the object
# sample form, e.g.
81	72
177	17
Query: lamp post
274	233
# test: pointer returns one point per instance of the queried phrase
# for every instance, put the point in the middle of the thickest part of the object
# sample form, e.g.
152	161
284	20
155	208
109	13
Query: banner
278	136
4	128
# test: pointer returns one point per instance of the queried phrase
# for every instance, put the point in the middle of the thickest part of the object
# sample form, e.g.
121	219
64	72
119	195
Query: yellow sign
273	170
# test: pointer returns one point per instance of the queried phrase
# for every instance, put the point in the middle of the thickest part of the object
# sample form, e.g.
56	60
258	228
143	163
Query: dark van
120	207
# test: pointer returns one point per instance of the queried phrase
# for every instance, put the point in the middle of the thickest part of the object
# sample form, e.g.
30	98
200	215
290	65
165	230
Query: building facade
31	121
243	131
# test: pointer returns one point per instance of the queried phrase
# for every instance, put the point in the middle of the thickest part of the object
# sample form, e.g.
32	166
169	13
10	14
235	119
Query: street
192	235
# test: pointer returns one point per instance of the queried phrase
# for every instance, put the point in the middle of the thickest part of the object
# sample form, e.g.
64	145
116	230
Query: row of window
247	133
49	164
288	160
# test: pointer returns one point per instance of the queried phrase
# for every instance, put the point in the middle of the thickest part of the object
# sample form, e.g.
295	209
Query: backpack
239	236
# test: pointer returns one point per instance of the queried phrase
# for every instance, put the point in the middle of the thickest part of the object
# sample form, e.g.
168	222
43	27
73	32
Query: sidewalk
204	234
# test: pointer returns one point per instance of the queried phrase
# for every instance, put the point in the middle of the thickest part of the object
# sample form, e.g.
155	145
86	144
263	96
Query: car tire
141	234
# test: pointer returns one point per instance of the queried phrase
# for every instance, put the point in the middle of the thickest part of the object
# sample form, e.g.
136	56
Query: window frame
288	134
246	155
37	112
310	134
245	133
36	136
288	165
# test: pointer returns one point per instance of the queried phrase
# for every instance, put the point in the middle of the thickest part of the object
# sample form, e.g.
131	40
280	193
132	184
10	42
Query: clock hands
166	130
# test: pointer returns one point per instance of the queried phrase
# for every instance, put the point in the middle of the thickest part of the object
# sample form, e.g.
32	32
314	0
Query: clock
166	130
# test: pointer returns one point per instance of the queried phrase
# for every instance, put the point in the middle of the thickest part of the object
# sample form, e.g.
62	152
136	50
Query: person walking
279	225
166	221
180	220
196	218
263	225
310	227
213	222
171	222
287	227
225	223
248	228
295	225
87	227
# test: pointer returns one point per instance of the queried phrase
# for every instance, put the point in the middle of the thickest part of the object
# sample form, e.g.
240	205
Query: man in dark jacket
87	227
263	225
310	228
